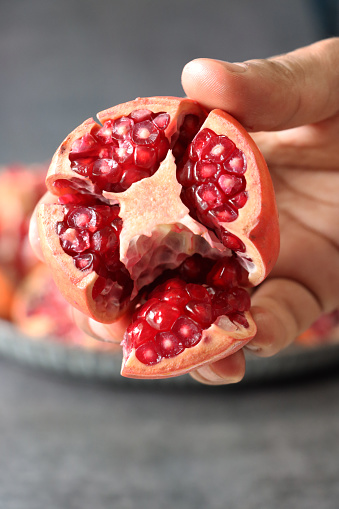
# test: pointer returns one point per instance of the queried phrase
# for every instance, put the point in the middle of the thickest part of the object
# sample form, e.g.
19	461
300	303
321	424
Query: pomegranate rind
257	224
75	285
216	343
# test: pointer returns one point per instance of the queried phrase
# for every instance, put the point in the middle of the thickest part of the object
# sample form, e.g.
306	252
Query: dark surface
83	445
68	443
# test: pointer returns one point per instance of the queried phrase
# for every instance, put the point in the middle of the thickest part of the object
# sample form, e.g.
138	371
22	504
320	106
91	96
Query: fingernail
252	348
237	67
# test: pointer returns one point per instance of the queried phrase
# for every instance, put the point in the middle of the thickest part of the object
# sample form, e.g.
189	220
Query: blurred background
62	61
76	442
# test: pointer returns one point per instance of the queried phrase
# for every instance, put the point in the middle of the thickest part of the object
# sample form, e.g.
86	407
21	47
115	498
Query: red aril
162	190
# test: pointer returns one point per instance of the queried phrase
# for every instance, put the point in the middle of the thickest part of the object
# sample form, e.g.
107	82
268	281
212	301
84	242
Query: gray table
68	443
76	444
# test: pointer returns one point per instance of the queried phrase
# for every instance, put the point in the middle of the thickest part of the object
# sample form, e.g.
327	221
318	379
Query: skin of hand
290	105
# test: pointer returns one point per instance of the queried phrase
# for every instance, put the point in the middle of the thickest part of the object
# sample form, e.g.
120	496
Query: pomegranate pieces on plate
166	212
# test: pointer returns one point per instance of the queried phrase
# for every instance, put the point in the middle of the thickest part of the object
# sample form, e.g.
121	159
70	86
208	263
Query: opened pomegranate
167	212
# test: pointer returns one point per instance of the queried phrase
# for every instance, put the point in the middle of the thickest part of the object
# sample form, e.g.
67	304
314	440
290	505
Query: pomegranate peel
162	189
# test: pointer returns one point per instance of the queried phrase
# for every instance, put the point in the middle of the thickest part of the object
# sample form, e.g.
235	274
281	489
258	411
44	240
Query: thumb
294	89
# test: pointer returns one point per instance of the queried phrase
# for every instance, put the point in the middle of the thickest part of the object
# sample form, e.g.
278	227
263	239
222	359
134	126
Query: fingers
225	371
112	333
298	88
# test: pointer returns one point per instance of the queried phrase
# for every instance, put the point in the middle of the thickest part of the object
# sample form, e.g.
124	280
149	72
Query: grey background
75	444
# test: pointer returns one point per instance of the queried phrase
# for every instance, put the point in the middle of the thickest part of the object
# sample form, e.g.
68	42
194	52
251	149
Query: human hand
291	105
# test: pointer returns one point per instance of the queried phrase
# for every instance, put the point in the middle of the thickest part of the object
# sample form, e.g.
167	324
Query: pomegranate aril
162	148
145	133
169	345
141	311
86	146
141	115
187	331
74	241
176	296
108	169
198	292
200	312
189	127
199	143
148	353
239	299
131	176
162	316
224	214
185	173
218	149
122	127
145	157
205	170
138	333
239	200
224	274
86	261
105	134
220	304
230	184
236	163
232	242
77	199
238	318
195	268
87	218
174	283
83	166
104	240
123	153
178	150
208	196
161	120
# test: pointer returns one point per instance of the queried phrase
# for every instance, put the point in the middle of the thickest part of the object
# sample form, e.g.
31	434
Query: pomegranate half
167	212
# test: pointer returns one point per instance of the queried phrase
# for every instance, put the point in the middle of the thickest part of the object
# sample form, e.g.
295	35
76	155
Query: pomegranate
40	311
168	212
323	331
21	186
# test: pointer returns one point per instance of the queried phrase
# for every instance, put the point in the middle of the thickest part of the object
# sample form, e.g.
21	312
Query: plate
48	354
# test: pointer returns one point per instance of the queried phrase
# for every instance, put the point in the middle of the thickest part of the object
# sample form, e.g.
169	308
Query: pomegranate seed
124	152
148	353
139	332
208	196
145	156
230	184
161	316
220	303
218	149
83	166
239	299
239	318
86	146
104	240
236	163
131	176
198	292
145	133
189	127
141	115
199	143
179	149
174	283
122	127
143	310
86	261
187	331
224	274
105	134
224	214
107	168
200	312
176	296
162	148
232	242
185	174
169	344
85	218
205	170
239	200
161	120
75	241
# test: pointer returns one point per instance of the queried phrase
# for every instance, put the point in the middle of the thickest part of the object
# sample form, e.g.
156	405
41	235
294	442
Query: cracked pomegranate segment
169	211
